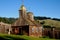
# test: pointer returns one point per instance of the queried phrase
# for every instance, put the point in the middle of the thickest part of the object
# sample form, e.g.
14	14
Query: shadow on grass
10	38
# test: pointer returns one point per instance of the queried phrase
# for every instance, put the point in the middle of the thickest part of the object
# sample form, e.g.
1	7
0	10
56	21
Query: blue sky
48	8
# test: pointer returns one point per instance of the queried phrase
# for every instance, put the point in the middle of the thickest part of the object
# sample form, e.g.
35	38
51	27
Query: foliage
21	37
44	18
49	22
7	20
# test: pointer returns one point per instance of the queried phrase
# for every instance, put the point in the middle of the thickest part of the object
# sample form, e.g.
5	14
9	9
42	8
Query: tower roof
29	13
22	7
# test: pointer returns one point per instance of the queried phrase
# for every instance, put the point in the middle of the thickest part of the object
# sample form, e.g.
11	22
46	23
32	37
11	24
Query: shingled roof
28	22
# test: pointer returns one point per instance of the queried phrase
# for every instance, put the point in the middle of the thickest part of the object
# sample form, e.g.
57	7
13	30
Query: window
7	30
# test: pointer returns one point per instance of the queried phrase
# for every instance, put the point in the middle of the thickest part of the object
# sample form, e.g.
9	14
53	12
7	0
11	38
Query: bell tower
22	13
22	10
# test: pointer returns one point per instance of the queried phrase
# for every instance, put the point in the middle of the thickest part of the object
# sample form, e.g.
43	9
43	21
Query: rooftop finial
22	2
22	6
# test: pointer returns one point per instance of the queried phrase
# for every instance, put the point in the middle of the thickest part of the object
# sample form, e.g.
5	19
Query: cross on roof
22	2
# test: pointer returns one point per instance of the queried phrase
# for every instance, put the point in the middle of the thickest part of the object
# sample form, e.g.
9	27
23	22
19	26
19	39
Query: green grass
20	37
51	22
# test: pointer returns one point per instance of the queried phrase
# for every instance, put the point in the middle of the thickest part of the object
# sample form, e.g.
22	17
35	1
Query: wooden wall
51	33
35	31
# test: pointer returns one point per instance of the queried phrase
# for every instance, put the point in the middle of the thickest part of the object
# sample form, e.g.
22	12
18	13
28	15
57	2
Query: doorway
20	30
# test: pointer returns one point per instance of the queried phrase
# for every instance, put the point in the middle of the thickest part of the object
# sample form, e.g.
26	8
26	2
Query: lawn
20	37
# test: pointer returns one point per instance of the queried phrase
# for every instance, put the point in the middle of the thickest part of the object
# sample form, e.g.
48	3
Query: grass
20	37
51	22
